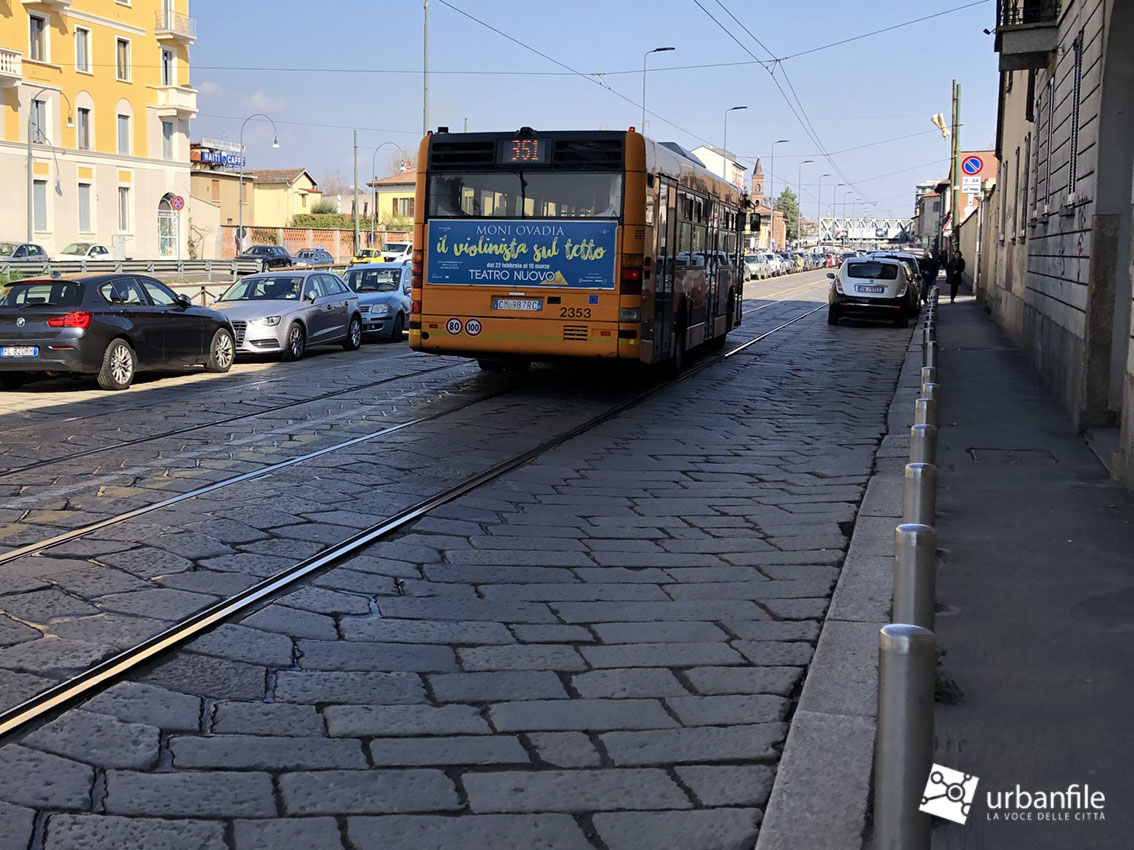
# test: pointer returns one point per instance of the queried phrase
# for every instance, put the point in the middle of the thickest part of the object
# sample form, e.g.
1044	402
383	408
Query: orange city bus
574	244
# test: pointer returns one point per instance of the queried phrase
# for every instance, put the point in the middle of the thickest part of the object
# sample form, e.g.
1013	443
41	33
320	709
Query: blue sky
331	69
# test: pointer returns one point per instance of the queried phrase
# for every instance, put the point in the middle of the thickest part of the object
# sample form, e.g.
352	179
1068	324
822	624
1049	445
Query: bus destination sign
523	152
516	253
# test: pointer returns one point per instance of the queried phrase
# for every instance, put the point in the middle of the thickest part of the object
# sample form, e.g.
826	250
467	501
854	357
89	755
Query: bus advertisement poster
571	254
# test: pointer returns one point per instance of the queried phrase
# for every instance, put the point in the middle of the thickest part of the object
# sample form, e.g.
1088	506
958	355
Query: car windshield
76	248
268	288
55	293
374	280
306	252
8	248
369	252
874	271
257	250
398	247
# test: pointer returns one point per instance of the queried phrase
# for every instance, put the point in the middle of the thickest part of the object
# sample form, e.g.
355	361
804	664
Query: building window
1050	132
303	201
82	49
83	128
85	208
403	207
216	190
167	140
39	205
124	135
122	59
39	121
123	209
1024	184
1016	198
37	38
1076	93
167	77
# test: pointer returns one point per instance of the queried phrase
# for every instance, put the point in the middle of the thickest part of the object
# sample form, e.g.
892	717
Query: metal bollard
928	376
931	353
932	391
923	444
915	578
903	748
925	408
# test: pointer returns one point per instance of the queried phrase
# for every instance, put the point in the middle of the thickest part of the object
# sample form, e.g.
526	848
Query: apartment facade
1061	223
101	88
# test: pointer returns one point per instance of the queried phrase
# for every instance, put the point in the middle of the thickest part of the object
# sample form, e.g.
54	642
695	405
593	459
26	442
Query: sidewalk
1035	599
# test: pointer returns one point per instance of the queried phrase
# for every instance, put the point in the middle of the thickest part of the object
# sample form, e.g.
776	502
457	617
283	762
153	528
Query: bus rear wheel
517	365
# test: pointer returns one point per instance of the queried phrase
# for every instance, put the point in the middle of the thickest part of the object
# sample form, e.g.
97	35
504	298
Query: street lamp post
724	145
240	195
31	168
374	180
799	197
819	201
644	55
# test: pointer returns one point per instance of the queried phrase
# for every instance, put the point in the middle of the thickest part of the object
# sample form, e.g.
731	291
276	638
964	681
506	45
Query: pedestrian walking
930	266
953	270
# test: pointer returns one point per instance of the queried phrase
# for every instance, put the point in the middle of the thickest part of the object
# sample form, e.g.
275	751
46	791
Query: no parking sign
178	203
972	164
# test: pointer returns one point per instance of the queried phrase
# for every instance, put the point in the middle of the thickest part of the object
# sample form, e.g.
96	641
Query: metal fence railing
1016	12
178	269
176	23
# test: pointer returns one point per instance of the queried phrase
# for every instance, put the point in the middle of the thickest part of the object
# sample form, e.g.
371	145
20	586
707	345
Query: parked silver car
756	267
287	312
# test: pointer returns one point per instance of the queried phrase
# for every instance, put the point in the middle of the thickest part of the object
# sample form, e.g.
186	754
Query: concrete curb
822	787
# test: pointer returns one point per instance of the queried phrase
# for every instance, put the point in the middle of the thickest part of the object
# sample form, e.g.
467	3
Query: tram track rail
228	420
71	689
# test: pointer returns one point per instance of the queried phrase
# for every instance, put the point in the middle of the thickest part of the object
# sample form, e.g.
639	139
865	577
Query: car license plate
870	288
531	305
19	351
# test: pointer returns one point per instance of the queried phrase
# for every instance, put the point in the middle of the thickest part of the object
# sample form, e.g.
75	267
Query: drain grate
1016	457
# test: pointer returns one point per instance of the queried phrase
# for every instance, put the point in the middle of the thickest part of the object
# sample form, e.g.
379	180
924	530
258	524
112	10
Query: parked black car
109	325
270	256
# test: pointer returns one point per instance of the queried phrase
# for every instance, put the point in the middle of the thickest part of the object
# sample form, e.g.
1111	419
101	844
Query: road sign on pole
972	164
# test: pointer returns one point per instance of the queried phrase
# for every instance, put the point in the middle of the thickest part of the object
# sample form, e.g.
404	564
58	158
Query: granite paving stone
353	792
694	744
264	752
579	714
318	833
356	655
276	718
728	784
51	656
706	829
621	683
241	643
366	687
148	704
16	826
572	790
293	622
106	832
190	794
98	739
496	686
32	778
454	750
499	832
389	720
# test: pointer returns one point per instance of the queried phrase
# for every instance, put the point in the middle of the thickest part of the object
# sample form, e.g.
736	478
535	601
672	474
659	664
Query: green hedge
324	221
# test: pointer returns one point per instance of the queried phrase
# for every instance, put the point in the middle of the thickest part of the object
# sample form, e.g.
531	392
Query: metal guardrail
907	648
1017	12
150	267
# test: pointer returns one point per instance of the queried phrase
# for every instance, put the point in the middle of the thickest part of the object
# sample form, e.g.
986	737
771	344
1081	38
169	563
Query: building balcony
176	101
11	67
173	27
48	5
1027	33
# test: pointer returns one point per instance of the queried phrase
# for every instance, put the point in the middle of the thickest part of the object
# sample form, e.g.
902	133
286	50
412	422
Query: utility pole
955	171
356	191
425	78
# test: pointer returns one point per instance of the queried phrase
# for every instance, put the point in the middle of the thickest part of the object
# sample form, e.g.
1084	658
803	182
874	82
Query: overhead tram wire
588	77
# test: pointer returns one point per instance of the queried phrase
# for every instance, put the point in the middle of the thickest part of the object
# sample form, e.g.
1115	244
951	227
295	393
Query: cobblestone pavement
597	650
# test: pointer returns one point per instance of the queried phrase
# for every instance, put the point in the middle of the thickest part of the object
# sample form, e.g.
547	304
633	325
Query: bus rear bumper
536	339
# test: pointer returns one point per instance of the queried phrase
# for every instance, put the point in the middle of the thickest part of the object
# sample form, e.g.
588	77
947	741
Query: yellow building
394	200
102	88
279	194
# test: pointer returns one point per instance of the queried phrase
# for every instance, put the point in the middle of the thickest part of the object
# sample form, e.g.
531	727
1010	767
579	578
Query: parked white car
397	252
755	267
776	265
82	251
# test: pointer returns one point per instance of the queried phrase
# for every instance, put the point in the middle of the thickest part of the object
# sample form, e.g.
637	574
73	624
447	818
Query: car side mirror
311	296
831	275
184	301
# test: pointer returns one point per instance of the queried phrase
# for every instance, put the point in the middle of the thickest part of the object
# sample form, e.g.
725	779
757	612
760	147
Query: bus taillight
415	307
632	274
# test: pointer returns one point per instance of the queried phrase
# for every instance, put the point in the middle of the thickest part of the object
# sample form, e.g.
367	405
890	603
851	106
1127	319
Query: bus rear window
874	271
529	194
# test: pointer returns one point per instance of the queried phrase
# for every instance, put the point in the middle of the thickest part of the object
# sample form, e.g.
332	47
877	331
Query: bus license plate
871	288
531	305
19	351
